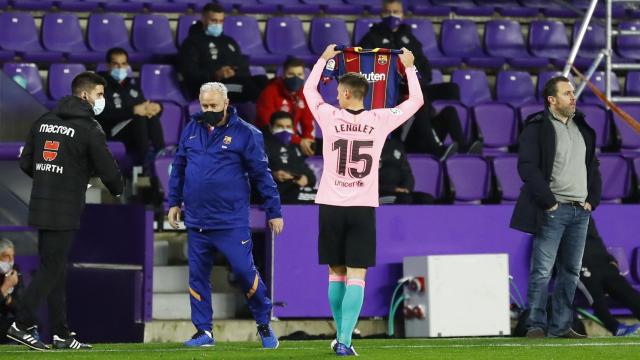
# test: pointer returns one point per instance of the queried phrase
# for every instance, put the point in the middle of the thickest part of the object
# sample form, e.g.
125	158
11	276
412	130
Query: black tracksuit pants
49	282
607	280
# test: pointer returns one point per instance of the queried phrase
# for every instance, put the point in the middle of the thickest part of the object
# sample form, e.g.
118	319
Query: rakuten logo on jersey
373	77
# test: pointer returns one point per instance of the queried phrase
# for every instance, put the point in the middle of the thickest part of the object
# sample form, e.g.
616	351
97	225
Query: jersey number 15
342	145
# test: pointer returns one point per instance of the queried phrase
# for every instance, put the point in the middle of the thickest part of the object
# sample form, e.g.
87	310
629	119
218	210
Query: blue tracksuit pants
236	246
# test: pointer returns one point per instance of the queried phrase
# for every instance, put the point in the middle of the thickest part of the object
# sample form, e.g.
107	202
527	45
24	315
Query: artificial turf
465	348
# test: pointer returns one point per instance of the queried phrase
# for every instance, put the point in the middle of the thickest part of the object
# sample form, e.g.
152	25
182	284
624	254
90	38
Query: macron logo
373	77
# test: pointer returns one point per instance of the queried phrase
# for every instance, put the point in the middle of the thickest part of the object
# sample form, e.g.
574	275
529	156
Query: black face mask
212	118
293	83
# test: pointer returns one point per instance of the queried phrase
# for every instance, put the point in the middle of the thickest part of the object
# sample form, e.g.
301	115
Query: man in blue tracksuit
219	154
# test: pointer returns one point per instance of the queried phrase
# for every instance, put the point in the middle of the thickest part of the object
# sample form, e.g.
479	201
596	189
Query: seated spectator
285	94
128	116
427	131
293	176
601	276
10	287
207	54
396	181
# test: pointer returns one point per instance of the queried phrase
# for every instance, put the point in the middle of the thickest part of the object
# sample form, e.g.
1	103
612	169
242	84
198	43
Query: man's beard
566	111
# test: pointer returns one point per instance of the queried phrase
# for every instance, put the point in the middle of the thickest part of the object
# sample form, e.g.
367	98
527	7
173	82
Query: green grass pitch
471	348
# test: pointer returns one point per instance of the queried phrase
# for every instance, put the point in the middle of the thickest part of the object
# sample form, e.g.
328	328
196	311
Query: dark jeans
139	134
560	240
429	130
604	280
49	281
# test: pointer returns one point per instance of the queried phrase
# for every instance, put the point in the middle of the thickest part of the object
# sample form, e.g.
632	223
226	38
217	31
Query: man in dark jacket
64	148
218	156
294	177
562	186
207	54
396	180
601	276
427	132
127	115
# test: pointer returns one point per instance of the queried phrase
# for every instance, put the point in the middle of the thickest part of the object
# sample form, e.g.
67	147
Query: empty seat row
152	39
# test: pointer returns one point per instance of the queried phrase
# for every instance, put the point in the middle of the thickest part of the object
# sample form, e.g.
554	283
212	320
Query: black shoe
535	333
27	337
572	334
69	343
448	151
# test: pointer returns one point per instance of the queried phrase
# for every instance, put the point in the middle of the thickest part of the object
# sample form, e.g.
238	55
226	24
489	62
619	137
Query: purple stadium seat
427	9
121	6
515	88
247	111
245	31
628	46
509	8
76	5
636	169
632	84
361	27
6	56
162	5
548	39
184	23
506	170
423	30
630	138
469	177
257	70
459	38
598	80
32	5
498	125
597	118
152	34
60	78
616	177
503	38
465	7
20	35
372	7
160	83
285	36
30	73
317	165
325	31
525	110
593	42
436	76
171	119
260	6
62	33
474	86
105	31
335	6
427	173
549	8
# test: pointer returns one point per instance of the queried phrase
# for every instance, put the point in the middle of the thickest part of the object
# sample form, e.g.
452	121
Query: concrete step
175	279
245	330
177	306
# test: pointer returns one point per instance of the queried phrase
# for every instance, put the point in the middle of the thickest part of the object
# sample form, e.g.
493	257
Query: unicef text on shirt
373	77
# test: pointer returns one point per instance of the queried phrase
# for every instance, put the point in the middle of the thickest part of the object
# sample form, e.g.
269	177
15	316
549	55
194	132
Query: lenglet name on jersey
366	129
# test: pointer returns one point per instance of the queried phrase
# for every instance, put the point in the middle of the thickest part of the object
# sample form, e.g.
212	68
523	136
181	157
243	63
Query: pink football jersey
352	143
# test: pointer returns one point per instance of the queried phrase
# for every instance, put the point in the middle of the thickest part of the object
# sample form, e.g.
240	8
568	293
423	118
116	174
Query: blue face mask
119	73
283	135
214	30
392	22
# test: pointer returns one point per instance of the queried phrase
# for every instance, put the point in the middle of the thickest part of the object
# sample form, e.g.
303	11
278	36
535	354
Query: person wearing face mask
10	287
208	54
219	158
292	174
128	116
427	131
285	94
64	148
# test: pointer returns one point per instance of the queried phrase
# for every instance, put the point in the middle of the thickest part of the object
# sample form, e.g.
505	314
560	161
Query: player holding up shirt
348	193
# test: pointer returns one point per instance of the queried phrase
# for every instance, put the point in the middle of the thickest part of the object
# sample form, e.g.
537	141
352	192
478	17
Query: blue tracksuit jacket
211	174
